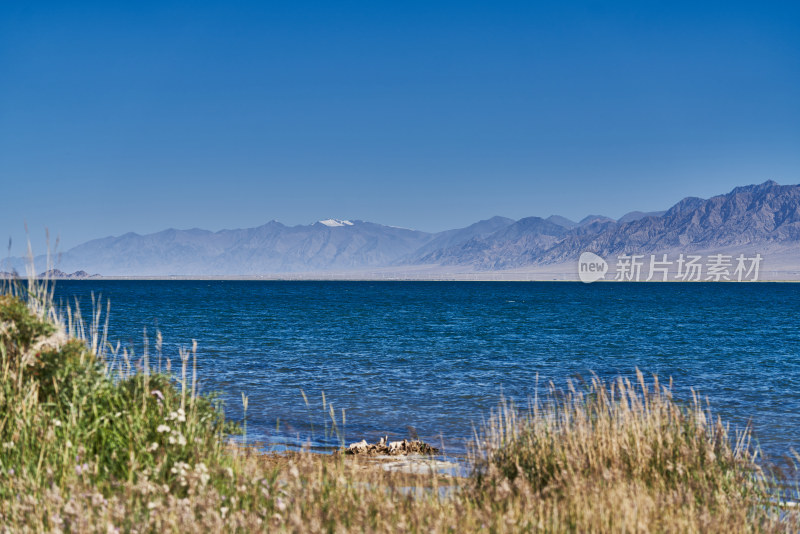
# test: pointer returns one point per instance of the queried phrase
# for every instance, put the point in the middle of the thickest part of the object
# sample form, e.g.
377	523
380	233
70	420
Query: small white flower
8	445
152	505
177	438
179	416
224	511
180	467
152	447
56	422
162	428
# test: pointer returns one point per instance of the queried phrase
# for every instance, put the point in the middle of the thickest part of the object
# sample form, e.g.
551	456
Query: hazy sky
429	115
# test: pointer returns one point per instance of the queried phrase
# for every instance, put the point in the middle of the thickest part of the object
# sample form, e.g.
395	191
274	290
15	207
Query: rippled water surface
436	356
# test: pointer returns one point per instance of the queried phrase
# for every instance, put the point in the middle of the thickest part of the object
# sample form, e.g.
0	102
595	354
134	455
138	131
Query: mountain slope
636	215
755	217
561	221
454	238
518	244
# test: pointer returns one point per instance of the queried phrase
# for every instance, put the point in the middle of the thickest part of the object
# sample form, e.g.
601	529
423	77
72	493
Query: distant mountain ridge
757	217
272	247
763	217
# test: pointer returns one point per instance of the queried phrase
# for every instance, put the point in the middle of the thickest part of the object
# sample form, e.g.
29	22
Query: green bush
63	413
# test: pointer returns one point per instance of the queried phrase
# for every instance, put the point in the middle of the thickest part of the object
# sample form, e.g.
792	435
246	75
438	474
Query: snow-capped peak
335	222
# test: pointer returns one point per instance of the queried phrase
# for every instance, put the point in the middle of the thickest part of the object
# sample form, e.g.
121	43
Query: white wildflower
179	416
152	447
162	428
178	438
181	469
56	422
8	445
202	470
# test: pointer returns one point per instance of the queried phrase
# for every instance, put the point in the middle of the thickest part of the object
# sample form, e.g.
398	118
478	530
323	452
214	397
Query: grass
93	443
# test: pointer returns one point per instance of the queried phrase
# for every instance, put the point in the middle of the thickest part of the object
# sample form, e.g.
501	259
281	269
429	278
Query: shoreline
455	278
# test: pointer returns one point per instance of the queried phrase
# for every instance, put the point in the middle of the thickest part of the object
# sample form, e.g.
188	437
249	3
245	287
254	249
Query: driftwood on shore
390	448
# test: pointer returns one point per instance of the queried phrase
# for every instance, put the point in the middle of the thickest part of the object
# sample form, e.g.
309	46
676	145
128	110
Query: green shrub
63	413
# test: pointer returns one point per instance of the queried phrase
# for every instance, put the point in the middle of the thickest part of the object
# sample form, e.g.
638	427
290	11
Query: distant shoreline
455	278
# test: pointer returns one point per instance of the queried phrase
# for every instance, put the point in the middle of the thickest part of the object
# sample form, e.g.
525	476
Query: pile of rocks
390	448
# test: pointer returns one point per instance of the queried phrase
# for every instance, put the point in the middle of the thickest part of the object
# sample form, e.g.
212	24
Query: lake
433	358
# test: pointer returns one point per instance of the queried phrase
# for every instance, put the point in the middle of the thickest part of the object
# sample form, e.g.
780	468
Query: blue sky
141	116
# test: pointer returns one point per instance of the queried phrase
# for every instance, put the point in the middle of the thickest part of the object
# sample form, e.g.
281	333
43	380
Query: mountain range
762	218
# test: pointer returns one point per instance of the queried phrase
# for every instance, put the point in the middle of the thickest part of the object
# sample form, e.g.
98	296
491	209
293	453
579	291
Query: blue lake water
436	356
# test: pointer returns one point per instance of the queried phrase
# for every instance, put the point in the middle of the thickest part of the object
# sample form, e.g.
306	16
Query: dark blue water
436	356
